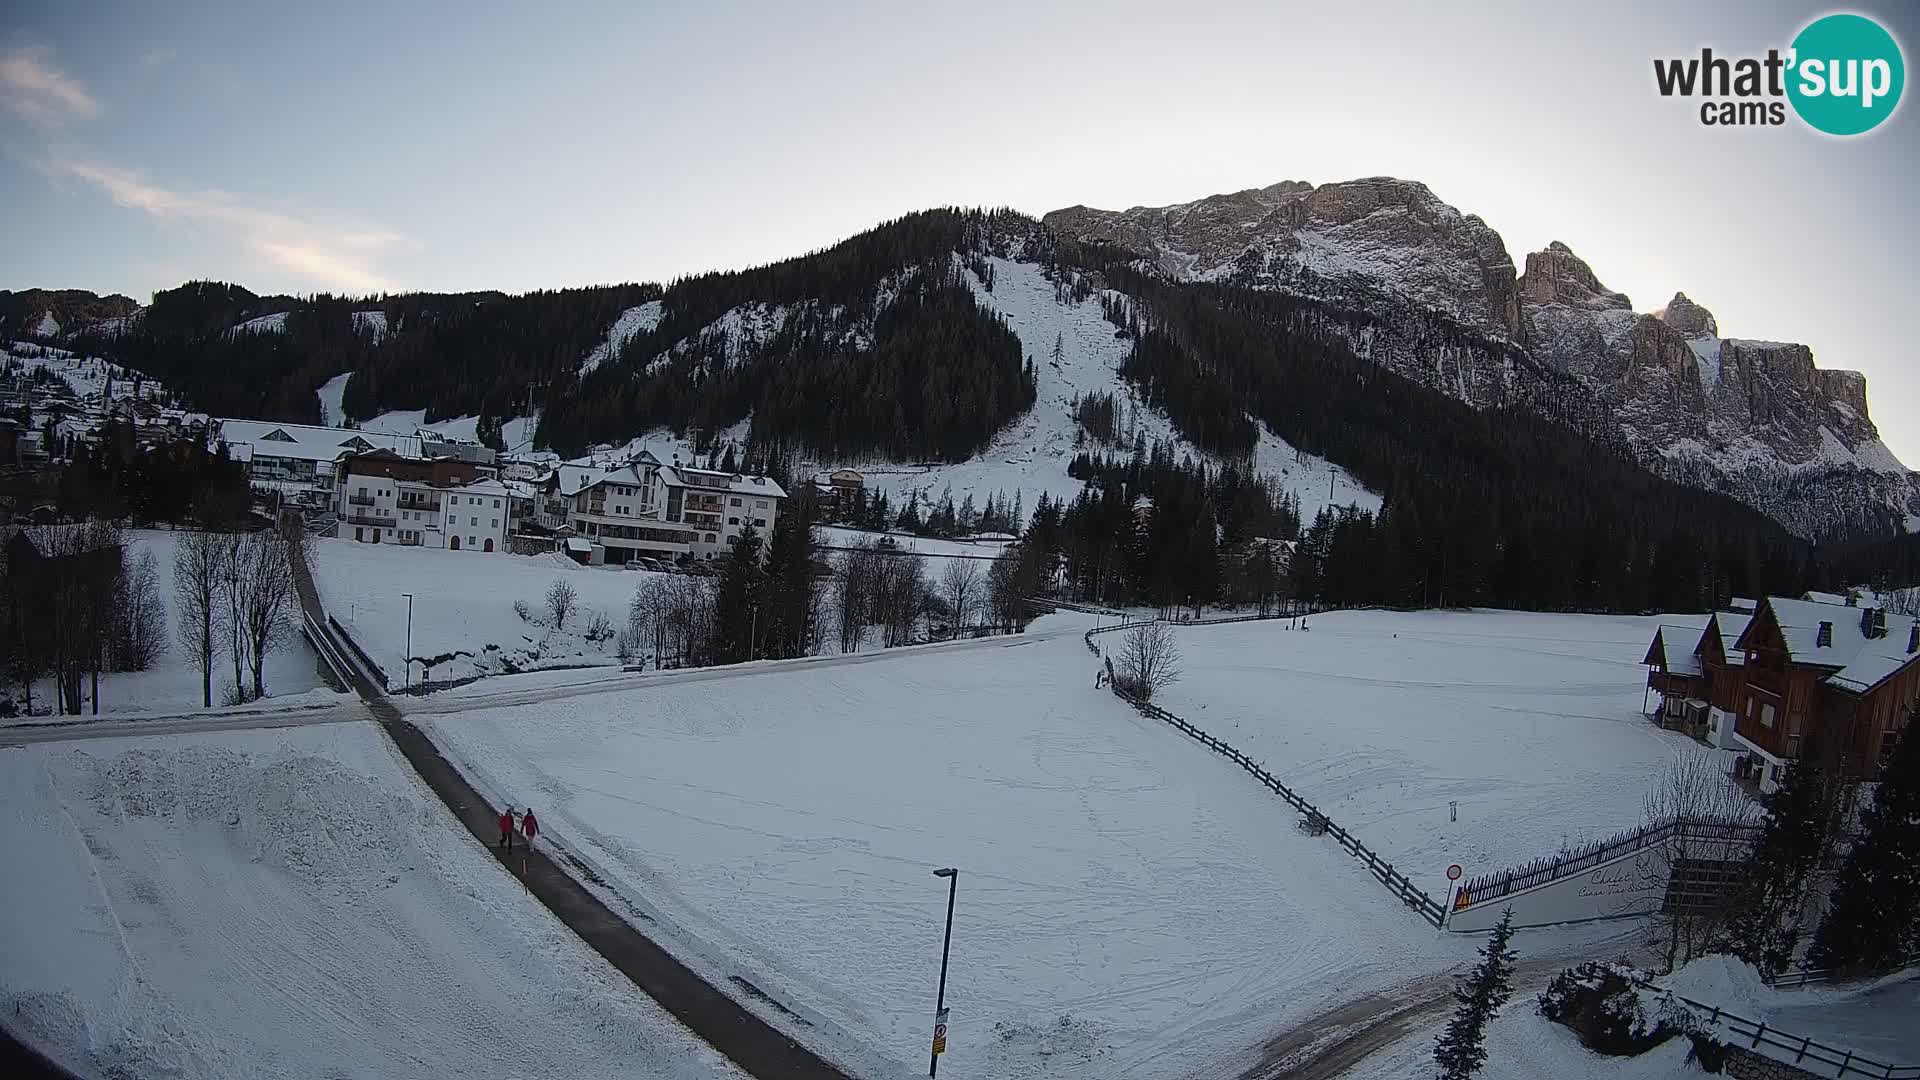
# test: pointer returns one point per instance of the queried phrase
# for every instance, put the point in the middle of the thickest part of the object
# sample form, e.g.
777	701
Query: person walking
529	826
506	828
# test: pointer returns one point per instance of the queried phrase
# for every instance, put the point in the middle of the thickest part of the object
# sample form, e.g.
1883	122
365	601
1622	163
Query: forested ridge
876	348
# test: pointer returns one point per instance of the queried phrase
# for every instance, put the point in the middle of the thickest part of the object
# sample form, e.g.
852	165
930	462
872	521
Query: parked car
638	564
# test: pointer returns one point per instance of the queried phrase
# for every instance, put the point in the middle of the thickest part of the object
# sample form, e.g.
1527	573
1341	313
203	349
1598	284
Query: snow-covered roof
1677	644
1731	627
310	442
1863	662
579	543
682	476
487	486
1814	597
1741	603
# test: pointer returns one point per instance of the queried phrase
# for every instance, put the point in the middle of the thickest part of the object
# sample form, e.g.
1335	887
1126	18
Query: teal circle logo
1847	74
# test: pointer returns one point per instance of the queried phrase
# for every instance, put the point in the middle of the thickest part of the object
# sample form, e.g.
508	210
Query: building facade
449	503
645	510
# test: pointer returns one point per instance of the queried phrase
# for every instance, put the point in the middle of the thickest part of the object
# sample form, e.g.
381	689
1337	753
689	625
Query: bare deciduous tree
141	629
854	581
198	568
960	587
1705	806
266	580
1149	660
562	600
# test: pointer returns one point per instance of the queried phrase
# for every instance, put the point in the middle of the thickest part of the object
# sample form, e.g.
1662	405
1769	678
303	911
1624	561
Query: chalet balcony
360	500
358	518
431	506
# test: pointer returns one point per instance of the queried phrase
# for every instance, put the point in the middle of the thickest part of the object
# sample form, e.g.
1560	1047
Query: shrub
1604	1005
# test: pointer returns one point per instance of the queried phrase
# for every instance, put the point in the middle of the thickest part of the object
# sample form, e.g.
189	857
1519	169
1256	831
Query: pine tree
1767	928
737	606
1873	923
1462	1048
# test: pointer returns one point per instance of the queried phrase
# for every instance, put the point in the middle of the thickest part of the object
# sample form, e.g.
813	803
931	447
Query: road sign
1453	872
940	1032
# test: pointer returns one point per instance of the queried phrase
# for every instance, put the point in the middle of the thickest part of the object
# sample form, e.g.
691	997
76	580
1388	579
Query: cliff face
1754	419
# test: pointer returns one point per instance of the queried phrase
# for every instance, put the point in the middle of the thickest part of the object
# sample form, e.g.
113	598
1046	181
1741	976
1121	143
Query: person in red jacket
529	825
506	827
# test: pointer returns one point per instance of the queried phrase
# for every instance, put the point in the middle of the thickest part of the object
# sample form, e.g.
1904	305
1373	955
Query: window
760	522
361	492
1766	716
496	504
710	538
759	504
496	523
733	521
473	521
735	502
470	541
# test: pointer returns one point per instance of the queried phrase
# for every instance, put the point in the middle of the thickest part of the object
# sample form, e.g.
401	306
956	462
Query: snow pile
1128	906
632	322
290	904
1530	723
464	623
1725	981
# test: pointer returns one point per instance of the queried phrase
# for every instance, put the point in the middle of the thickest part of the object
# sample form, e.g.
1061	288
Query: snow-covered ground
635	320
1530	722
173	684
934	553
1129	906
463	616
290	903
275	323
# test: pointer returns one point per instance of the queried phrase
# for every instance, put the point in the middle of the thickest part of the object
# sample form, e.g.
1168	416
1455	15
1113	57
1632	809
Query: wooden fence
1807	1052
1315	821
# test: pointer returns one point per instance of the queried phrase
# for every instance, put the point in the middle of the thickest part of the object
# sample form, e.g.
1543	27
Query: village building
642	509
387	498
298	462
1794	674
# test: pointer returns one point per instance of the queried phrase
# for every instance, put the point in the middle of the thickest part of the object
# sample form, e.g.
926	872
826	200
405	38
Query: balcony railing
419	504
369	519
360	500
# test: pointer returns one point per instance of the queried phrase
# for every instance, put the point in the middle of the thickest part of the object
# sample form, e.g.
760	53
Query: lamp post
408	659
940	1004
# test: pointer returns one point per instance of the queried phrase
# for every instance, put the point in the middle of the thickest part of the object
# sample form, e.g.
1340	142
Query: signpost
1453	875
940	1032
940	1004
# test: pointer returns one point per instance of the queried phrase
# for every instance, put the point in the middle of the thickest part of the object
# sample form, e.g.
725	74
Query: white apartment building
383	498
644	509
298	461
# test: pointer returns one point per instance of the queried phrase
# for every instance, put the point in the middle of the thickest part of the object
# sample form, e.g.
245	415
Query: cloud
329	254
156	57
32	85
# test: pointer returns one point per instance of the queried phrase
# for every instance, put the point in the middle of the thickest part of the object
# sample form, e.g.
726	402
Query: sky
356	148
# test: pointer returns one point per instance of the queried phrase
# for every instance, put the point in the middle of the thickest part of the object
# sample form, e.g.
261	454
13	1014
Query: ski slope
1128	906
290	904
1031	454
1530	722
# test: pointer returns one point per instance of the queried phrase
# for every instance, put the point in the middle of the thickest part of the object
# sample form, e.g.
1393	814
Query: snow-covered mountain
1756	420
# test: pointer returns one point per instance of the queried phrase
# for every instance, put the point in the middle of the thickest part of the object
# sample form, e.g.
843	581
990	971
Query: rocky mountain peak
1558	276
1379	230
1688	319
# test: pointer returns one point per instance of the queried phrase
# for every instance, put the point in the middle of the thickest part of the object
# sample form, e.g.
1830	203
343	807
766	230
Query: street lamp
940	1004
408	659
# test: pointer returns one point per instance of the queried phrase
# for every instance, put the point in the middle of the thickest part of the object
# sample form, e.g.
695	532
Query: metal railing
360	500
1487	888
355	518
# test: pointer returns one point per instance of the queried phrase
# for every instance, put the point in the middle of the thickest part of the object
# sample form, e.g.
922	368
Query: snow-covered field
463	617
1530	722
1129	906
291	903
173	685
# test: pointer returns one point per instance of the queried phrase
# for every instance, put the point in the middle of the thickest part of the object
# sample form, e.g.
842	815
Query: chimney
1825	637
